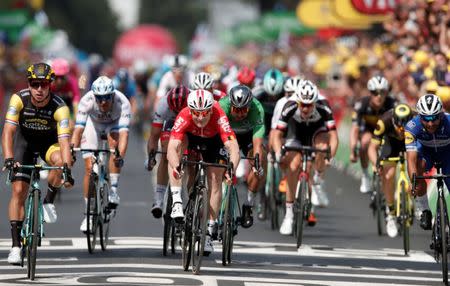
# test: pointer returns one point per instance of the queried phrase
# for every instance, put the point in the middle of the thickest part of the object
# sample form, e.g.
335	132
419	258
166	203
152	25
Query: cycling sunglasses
105	97
429	118
37	84
240	110
198	113
307	105
378	92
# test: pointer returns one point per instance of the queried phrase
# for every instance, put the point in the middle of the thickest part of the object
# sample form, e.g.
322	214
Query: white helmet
102	85
200	99
306	92
377	83
429	104
202	80
292	83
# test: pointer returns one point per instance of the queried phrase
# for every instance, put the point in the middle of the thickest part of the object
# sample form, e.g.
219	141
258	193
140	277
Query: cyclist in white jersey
103	109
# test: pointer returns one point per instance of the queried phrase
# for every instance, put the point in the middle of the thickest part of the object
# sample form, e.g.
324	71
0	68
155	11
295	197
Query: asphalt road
342	249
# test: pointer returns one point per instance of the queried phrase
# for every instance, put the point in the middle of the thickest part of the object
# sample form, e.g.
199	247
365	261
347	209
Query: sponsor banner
345	11
375	6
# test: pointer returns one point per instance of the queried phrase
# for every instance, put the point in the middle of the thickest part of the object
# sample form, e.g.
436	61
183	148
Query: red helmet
177	98
246	75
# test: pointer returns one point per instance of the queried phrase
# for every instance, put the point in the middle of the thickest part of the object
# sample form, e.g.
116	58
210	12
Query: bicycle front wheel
92	214
186	235
299	210
227	232
32	247
199	222
168	229
404	215
443	231
379	212
105	216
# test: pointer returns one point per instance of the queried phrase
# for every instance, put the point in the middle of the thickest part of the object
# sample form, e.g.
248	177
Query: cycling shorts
92	132
211	149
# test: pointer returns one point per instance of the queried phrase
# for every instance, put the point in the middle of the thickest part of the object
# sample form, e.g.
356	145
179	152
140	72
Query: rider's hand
278	157
150	162
118	162
9	164
258	172
177	173
230	180
353	157
329	161
73	153
69	181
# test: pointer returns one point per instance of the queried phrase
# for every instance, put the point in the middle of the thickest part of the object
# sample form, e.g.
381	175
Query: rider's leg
364	159
52	157
293	161
319	196
388	185
161	181
114	171
175	188
214	178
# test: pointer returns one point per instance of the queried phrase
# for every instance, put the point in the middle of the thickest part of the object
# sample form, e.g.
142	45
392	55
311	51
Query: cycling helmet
377	83
178	61
60	66
102	85
122	75
402	114
177	98
246	76
240	96
306	93
292	83
200	99
202	80
40	71
273	82
429	104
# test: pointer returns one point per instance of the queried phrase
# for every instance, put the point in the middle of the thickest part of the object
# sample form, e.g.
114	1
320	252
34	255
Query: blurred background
338	44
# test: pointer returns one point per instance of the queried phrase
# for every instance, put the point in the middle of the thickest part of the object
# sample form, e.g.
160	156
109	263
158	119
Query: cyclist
124	83
246	76
389	134
202	123
246	116
102	110
308	123
205	81
36	121
164	117
65	84
427	140
364	117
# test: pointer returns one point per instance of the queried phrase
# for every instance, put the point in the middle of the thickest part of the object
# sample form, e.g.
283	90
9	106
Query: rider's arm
124	123
76	136
152	143
373	152
287	112
173	153
334	142
10	127
376	140
354	131
411	158
233	149
62	116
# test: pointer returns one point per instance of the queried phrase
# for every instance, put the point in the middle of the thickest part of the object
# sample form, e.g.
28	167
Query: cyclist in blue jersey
126	84
427	140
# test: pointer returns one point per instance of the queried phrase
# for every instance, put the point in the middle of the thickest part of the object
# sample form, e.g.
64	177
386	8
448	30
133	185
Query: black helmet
41	71
402	114
240	96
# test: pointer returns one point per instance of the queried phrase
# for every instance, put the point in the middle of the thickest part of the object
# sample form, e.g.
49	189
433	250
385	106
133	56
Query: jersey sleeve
180	125
257	119
330	124
62	116
14	108
287	112
84	107
223	125
160	113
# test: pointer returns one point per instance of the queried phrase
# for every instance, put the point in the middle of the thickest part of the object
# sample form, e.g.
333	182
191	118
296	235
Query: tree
91	25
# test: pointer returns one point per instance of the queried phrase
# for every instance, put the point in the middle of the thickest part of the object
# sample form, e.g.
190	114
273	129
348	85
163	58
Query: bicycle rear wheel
92	214
186	235
106	216
299	210
404	215
32	247
443	232
168	229
199	222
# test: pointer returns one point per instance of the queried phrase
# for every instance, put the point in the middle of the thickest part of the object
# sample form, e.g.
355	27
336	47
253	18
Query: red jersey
218	124
69	92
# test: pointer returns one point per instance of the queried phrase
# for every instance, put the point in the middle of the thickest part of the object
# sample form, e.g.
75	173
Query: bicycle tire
199	222
226	231
443	232
404	215
92	214
32	248
299	210
186	236
167	224
105	216
271	190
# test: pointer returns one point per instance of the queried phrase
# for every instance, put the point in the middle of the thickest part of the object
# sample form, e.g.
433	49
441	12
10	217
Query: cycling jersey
120	111
128	88
168	82
268	102
366	117
164	118
218	124
41	124
155	79
69	92
305	130
254	122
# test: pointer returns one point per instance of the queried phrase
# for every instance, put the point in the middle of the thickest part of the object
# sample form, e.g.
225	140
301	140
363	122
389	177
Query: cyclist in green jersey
246	116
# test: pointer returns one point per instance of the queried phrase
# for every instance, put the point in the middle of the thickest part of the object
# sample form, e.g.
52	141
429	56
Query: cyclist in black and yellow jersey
389	135
365	115
37	121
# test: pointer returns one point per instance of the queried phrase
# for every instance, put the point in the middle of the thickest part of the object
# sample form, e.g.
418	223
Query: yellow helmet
41	71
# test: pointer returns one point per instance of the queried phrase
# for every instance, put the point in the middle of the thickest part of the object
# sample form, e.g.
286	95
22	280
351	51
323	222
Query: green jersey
253	122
